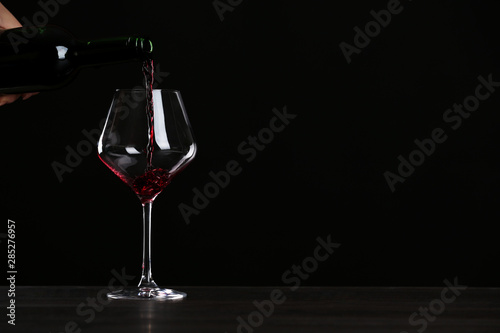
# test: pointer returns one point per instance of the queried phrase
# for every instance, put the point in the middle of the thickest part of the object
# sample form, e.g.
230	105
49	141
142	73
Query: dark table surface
236	309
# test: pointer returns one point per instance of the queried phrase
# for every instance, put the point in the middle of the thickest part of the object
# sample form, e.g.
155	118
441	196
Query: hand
8	21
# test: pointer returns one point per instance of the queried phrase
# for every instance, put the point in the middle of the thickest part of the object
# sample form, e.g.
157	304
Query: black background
323	175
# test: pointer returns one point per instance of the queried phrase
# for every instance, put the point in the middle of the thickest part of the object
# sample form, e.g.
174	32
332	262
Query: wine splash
149	185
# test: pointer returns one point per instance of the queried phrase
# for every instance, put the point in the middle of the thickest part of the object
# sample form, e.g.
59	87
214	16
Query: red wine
147	184
150	184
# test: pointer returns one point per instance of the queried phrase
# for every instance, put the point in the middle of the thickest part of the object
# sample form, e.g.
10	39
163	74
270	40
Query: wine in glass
146	141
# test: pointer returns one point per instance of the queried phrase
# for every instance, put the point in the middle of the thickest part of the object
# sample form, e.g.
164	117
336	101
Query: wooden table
236	309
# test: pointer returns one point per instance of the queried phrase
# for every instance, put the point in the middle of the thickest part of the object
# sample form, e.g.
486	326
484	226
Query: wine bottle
45	58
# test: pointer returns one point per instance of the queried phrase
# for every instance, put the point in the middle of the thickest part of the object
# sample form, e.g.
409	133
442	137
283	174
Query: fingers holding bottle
7	99
8	21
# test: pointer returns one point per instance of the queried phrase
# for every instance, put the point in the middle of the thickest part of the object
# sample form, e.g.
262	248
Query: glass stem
147	277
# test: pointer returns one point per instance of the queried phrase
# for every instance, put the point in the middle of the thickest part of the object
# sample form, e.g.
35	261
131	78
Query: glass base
137	293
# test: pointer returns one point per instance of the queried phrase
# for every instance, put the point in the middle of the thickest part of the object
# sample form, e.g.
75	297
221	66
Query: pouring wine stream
148	70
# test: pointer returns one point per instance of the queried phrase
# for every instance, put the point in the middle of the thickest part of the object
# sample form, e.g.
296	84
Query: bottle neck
105	51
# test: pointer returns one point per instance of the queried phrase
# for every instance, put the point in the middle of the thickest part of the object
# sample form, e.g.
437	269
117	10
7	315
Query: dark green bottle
45	58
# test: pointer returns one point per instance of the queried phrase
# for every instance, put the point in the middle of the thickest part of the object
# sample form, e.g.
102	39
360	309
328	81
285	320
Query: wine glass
146	141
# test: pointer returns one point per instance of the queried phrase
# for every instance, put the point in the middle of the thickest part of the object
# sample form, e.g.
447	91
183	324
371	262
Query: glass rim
144	89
